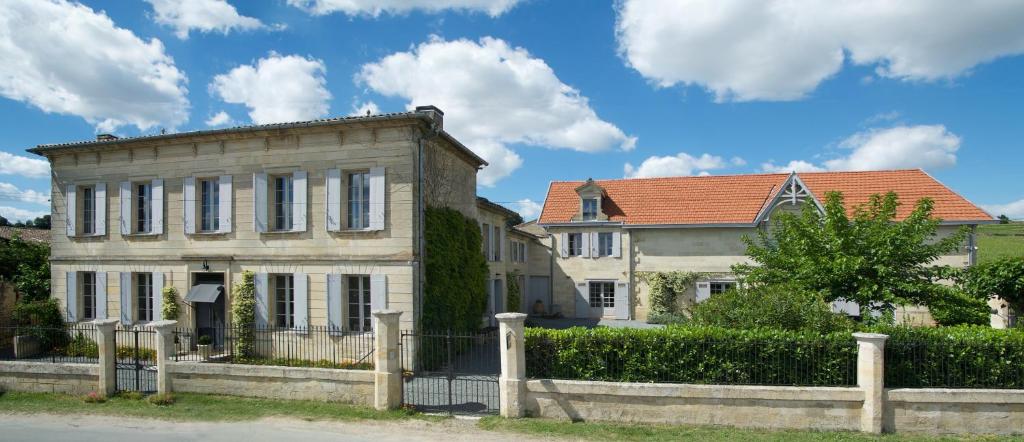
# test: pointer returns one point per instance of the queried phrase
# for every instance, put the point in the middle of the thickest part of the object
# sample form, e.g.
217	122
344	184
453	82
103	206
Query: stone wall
951	411
322	384
44	377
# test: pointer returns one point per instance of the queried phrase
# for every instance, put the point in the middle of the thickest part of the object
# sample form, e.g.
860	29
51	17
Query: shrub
42	319
322	363
455	286
94	398
1003	278
161	399
777	307
953	357
665	288
701	355
204	340
667	318
959	308
130	395
243	313
514	292
128	352
169	304
80	346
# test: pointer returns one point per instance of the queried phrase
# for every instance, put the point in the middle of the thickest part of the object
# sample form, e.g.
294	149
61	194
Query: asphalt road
44	428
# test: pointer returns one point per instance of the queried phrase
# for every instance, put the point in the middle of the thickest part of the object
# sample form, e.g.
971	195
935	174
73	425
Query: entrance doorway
602	298
207	298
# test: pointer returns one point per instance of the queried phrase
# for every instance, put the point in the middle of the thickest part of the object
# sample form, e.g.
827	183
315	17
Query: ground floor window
718	287
359	318
602	294
88	295
144	296
284	300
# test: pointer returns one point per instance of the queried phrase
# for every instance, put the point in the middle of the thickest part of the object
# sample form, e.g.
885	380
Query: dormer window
590	209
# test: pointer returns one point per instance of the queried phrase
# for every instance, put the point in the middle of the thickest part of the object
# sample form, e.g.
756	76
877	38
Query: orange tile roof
738	199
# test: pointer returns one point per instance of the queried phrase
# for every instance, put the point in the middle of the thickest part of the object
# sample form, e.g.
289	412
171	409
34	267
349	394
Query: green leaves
1003	278
665	288
243	314
169	303
455	287
783	307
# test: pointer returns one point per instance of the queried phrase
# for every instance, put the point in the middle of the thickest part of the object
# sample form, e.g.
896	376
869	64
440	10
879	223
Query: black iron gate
135	359
454	373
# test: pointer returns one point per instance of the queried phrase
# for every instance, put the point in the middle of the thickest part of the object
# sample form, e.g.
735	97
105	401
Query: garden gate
453	373
135	359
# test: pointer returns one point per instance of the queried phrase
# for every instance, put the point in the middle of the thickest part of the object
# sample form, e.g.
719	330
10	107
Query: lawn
1000	240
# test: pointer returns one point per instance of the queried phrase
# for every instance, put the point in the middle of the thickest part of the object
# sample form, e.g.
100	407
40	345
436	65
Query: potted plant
204	346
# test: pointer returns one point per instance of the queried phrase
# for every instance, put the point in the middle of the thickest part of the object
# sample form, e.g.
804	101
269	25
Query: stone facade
532	259
42	377
321	384
952	411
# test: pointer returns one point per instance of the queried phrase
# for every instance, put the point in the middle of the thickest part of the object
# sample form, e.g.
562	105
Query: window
144	296
513	250
359	303
88	211
144	208
283	200
604	244
518	251
486	232
496	239
88	295
359	200
589	209
575	244
718	287
284	301
209	205
602	294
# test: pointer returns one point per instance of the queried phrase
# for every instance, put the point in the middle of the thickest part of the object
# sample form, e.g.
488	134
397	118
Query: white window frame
143	207
284	199
358	285
87	293
287	290
496	240
209	205
725	285
88	195
607	299
605	247
591	216
357	200
143	292
575	248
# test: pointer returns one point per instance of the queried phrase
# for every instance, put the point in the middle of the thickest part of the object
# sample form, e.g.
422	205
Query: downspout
421	226
632	284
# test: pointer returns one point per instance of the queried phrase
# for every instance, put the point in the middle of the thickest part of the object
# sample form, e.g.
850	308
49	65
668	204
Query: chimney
434	113
105	137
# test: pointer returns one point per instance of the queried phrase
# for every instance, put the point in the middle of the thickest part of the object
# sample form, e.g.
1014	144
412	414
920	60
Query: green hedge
698	355
953	357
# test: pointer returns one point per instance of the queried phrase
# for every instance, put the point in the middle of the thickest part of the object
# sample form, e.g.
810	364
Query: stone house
605	233
326	213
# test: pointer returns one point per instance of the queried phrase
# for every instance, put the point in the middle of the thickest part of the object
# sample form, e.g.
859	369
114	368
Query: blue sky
544	89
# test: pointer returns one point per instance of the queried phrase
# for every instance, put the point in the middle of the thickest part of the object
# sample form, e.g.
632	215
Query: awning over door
204	293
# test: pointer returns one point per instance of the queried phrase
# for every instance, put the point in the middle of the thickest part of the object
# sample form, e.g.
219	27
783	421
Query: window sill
209	234
140	235
282	232
88	236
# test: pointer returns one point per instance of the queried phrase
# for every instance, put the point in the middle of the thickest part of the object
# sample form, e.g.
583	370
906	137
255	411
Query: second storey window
144	208
359	200
496	248
144	296
589	209
88	295
359	318
575	244
88	210
209	208
604	244
284	301
283	200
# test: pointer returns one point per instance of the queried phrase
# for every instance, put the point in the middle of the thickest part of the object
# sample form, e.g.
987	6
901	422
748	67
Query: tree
870	259
4	222
1003	219
781	307
1003	278
42	222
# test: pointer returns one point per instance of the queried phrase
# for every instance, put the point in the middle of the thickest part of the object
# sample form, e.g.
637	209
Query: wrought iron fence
954	363
313	346
451	372
74	342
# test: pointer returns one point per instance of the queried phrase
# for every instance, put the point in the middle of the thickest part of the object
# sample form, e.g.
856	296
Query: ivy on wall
169	304
665	288
243	313
514	291
455	286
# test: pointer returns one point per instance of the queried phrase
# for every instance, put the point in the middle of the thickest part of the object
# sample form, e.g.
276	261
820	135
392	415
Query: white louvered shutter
101	209
378	292
617	244
71	296
224	217
582	300
157	206
70	198
101	295
188	197
301	297
621	300
378	197
300	201
259	202
501	243
157	296
332	200
563	245
125	197
335	320
585	236
262	302
703	290
126	298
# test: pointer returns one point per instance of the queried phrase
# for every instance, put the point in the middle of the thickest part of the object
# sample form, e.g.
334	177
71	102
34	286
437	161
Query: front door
210	316
602	298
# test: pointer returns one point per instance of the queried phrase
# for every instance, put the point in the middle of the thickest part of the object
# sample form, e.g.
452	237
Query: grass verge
594	431
196	407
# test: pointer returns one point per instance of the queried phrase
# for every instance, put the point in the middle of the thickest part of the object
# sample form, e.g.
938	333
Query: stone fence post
387	385
164	350
108	356
871	379
512	383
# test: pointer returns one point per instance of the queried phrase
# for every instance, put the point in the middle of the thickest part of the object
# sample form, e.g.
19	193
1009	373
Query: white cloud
66	58
10	192
782	49
493	95
11	164
679	165
277	88
375	8
202	15
363	109
527	208
219	119
899	147
15	214
1014	210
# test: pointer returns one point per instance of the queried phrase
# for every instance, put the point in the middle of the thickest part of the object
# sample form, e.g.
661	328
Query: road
84	428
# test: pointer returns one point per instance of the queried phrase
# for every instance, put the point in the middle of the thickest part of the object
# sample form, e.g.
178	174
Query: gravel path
43	428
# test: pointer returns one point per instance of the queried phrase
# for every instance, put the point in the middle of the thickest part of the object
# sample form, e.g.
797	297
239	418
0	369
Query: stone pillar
512	382
871	379
108	361
387	385
164	351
